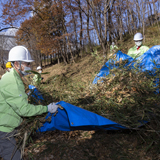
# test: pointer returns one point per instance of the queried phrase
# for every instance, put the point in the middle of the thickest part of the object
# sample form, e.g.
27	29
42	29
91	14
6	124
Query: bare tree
81	23
143	21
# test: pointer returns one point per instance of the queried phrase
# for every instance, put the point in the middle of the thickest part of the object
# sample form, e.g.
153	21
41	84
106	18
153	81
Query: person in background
39	69
139	48
8	66
113	47
37	77
14	104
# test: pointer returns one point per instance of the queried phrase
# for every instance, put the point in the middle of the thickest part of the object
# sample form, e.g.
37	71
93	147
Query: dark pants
8	148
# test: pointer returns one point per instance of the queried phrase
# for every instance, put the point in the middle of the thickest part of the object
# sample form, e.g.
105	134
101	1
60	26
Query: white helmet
138	37
39	67
19	53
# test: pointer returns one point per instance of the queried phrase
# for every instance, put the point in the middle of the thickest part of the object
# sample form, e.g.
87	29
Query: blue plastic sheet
75	118
148	62
110	64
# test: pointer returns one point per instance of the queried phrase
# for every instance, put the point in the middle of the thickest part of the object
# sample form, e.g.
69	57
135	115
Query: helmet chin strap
19	68
22	72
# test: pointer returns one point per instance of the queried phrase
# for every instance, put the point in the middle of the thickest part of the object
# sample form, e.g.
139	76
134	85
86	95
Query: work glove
52	107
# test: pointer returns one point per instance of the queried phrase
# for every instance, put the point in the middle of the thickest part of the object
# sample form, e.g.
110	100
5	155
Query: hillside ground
69	83
85	145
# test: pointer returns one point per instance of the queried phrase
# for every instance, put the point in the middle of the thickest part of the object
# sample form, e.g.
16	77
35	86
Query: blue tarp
110	64
75	118
148	62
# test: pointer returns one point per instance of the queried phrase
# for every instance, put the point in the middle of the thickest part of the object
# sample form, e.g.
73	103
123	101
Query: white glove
52	107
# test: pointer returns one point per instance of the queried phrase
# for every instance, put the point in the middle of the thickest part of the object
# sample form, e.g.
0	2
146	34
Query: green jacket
36	79
134	53
112	47
13	102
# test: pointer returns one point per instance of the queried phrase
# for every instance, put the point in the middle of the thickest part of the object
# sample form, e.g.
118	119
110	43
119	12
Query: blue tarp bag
75	118
110	64
148	62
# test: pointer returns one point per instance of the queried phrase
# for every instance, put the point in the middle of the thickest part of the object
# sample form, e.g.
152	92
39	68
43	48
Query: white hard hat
112	43
19	53
39	67
138	37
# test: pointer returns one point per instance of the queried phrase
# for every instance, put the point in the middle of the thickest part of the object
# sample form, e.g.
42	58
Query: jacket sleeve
16	97
146	49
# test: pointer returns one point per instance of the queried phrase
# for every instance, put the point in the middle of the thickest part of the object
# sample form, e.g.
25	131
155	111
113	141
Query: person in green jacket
139	48
37	77
14	104
8	67
113	47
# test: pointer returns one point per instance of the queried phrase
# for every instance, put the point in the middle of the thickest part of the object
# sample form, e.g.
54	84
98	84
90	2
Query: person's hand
52	107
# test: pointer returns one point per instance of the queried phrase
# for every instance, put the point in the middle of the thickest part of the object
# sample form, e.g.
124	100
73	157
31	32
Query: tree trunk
120	22
129	24
58	57
40	58
89	39
131	13
143	12
109	26
62	53
95	25
150	13
74	24
156	14
149	20
80	15
138	11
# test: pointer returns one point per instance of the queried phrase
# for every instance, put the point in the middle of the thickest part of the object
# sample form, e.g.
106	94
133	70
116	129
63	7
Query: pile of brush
126	96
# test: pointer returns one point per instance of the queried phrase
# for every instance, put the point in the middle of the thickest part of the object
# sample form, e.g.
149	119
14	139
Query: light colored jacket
36	80
134	53
13	102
